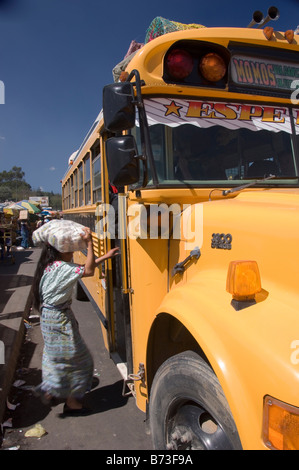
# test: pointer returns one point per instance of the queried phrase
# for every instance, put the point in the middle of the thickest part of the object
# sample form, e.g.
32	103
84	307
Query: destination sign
263	73
255	117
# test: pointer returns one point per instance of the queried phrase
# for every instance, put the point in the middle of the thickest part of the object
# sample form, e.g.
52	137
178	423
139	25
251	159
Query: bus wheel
188	409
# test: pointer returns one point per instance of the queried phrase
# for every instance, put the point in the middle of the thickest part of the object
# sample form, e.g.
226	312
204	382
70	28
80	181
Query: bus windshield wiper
247	185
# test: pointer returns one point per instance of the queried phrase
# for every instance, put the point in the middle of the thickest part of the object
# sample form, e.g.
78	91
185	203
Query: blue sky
56	56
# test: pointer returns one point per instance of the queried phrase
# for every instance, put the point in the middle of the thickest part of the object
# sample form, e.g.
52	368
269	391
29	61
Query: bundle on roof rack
121	66
160	26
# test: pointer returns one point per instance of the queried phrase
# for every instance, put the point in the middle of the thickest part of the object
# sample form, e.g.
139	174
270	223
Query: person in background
40	222
24	235
2	245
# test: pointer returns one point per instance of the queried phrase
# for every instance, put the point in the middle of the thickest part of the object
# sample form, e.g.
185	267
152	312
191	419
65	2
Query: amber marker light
123	76
212	67
243	280
280	425
289	35
268	32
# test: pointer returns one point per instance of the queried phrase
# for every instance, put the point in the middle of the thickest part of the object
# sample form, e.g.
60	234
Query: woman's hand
86	235
110	254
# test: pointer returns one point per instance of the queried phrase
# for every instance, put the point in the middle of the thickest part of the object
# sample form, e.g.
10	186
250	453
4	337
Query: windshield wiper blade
247	185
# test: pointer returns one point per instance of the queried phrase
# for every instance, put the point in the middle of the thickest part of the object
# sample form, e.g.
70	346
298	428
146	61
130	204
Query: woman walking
67	365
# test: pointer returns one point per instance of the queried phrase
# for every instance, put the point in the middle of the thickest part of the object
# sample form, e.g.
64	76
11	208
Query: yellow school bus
200	311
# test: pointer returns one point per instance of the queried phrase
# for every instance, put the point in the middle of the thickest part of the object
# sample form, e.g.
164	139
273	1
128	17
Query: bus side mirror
122	160
118	106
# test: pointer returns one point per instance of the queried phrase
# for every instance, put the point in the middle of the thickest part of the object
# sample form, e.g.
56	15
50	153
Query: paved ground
115	424
15	286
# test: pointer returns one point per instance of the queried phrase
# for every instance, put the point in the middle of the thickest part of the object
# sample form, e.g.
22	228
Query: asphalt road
115	424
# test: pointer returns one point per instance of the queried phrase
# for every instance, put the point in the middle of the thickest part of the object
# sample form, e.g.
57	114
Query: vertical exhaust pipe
257	18
273	15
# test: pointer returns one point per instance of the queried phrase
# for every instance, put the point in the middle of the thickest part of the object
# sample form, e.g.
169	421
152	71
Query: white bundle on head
64	235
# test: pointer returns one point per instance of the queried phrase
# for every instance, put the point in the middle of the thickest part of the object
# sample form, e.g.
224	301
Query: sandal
45	397
76	411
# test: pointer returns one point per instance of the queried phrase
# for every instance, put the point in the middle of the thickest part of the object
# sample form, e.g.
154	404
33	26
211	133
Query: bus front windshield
202	144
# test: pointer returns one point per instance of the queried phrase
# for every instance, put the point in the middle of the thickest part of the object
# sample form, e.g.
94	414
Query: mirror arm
144	130
145	172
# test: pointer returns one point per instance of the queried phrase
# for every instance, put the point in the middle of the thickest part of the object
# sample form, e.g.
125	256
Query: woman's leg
73	403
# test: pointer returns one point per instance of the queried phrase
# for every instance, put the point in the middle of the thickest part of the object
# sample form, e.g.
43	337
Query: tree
5	193
13	186
55	201
15	174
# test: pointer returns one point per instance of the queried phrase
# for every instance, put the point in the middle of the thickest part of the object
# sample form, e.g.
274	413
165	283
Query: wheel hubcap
190	426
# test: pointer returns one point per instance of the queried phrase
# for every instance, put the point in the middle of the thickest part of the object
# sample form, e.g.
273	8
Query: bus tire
188	409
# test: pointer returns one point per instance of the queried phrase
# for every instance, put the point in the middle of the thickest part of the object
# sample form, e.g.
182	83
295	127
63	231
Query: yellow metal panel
249	350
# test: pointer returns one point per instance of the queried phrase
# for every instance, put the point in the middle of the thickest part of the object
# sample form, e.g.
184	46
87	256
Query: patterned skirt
67	365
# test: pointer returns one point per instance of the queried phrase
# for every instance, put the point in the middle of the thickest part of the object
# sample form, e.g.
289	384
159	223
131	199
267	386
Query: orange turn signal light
280	425
243	280
212	67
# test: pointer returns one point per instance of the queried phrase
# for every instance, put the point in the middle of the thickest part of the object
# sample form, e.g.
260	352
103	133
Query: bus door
113	274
